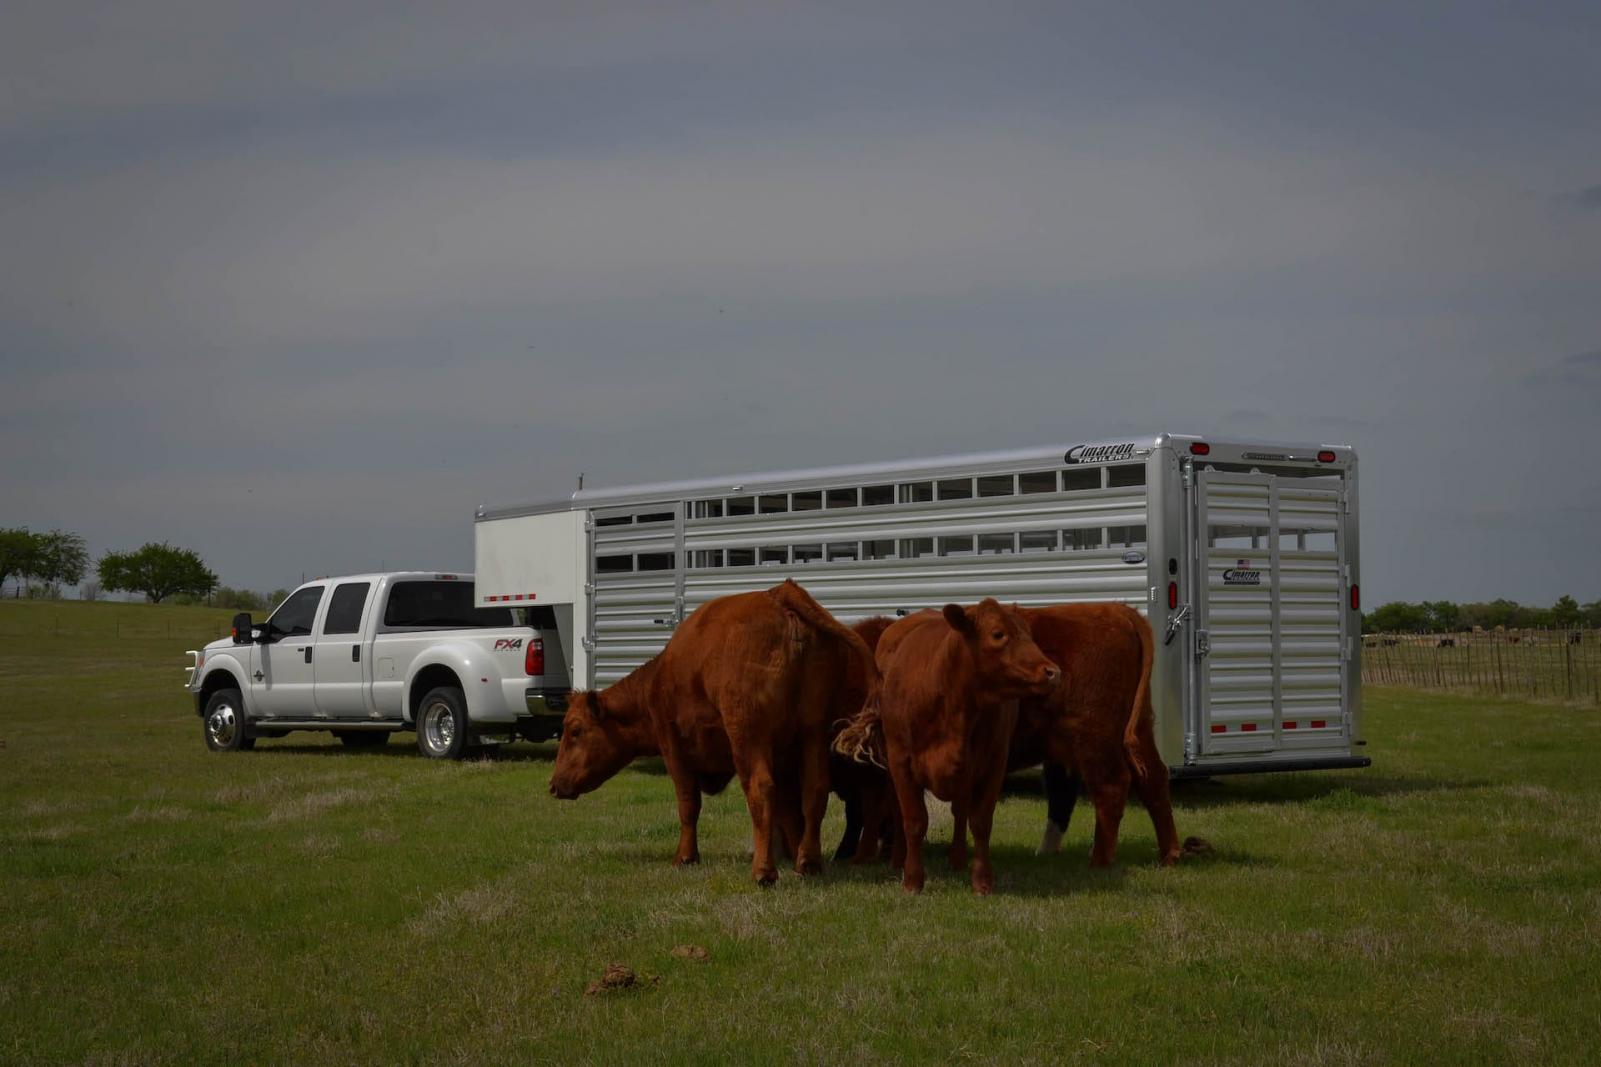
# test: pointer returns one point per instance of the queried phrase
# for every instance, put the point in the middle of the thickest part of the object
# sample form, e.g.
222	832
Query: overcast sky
299	285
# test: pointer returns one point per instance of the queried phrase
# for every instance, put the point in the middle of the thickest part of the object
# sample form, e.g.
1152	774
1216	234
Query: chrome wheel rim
221	725
439	727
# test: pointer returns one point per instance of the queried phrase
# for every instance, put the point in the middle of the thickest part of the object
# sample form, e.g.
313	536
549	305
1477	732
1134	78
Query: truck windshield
441	606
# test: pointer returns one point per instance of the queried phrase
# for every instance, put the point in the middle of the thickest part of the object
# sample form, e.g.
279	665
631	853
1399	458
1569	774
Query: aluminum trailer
1244	556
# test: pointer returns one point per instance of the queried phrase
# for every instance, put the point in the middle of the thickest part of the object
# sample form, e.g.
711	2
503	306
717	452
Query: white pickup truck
372	654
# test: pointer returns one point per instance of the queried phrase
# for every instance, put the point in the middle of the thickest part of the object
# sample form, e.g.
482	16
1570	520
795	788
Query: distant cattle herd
771	688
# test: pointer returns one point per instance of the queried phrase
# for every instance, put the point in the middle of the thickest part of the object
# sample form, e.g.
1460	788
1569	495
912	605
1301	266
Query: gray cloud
301	288
1584	198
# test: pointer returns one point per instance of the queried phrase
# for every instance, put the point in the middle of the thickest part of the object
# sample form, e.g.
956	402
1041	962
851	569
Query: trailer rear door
1270	629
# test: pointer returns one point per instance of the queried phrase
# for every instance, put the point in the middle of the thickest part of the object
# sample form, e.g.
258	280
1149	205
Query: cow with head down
951	684
747	686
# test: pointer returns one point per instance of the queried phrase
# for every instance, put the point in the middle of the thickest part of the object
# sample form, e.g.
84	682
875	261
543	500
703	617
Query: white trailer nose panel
1271	624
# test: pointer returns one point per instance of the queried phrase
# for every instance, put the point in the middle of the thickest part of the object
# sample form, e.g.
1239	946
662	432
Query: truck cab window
295	615
437	605
344	608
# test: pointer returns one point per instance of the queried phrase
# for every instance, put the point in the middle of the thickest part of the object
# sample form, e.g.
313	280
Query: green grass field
301	903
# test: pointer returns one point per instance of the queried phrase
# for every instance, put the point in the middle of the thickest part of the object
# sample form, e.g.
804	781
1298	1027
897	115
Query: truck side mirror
241	628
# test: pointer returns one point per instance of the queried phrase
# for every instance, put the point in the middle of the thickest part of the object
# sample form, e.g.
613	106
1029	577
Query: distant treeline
1446	617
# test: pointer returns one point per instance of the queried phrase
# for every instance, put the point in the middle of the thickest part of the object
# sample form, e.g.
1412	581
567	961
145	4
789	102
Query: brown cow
1099	725
951	681
745	686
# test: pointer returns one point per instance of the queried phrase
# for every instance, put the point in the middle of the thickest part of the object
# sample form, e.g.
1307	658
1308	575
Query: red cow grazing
745	686
951	681
1099	723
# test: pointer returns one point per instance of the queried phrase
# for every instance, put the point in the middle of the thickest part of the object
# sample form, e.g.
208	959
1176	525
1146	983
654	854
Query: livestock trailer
1243	555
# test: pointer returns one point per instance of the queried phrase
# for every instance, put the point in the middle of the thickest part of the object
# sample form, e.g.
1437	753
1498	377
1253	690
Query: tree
1444	616
62	558
1399	617
19	552
1592	614
157	571
1565	612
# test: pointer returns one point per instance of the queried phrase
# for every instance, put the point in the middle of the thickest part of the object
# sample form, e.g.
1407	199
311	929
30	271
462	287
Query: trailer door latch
1174	621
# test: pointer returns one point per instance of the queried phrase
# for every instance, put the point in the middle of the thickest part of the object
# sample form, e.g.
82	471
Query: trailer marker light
1219	728
1325	457
1356	598
1172	595
1248	728
1318	724
1289	726
1200	448
534	658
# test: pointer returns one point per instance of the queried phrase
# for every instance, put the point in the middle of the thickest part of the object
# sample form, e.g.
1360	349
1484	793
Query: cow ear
596	708
956	615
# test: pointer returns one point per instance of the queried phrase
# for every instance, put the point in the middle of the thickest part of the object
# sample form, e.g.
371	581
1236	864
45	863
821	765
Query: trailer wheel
442	731
224	724
362	738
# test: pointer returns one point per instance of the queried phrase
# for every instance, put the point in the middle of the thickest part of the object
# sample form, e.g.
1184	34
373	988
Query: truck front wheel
442	724
225	725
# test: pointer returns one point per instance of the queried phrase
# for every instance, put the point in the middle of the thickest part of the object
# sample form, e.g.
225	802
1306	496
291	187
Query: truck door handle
307	651
355	653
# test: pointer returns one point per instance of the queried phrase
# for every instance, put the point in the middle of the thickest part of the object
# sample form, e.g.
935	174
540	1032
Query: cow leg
1110	798
1153	790
756	778
813	805
986	794
1061	794
787	817
688	791
957	854
914	826
876	833
850	841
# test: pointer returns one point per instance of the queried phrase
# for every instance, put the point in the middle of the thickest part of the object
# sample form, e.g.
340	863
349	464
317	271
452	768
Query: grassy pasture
304	904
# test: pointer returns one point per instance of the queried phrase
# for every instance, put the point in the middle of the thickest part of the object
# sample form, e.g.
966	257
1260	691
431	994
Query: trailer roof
809	477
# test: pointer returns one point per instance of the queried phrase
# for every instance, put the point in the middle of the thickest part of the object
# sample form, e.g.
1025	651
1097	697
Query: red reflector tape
1248	728
1289	726
1318	724
1219	728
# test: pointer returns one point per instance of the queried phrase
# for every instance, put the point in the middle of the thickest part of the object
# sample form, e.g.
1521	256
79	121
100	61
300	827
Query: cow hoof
690	860
983	889
805	867
1051	843
912	885
765	878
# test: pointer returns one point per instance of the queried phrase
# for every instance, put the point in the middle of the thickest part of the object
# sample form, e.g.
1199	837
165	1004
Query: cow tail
1142	695
862	738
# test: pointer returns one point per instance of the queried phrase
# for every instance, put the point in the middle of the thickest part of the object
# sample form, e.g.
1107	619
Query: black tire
224	725
363	738
442	730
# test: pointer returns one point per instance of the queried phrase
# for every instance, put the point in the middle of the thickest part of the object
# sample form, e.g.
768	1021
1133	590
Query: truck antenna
580	480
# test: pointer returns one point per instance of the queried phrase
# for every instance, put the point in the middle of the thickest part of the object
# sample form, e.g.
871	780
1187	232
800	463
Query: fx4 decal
508	644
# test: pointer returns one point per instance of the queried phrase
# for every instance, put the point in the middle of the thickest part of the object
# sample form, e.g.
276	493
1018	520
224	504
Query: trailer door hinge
1203	642
588	641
